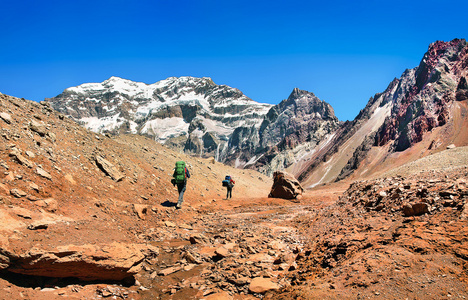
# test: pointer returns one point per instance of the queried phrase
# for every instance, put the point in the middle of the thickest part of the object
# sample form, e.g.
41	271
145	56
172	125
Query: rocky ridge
288	131
423	111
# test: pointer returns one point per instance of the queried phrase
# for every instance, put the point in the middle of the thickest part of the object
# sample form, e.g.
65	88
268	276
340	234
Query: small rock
5	117
170	224
420	208
140	210
109	168
43	173
198	239
34	186
219	296
170	270
262	285
18	193
37	127
38	225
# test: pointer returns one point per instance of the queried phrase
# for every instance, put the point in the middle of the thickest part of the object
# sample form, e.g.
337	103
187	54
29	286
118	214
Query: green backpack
179	172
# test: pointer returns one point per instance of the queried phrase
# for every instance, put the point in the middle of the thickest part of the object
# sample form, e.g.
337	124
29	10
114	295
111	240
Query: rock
115	261
169	271
52	137
191	258
30	154
198	239
170	224
37	127
109	168
15	153
18	193
41	172
262	285
141	210
22	212
49	204
218	296
285	186
420	208
415	209
38	225
451	146
5	117
225	250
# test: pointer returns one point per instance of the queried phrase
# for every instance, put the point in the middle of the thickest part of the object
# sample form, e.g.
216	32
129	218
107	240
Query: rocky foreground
391	238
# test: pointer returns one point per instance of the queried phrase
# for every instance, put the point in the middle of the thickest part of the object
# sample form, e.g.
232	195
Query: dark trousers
181	188
229	192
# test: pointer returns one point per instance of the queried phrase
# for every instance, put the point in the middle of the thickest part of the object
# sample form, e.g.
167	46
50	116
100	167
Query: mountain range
300	134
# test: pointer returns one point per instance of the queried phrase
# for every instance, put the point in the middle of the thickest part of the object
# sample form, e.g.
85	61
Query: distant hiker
229	183
181	174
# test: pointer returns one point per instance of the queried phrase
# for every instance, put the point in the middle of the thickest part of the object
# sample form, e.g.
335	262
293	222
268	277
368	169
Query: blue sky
342	51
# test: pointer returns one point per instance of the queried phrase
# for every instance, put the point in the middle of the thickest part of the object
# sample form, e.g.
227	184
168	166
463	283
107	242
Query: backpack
227	181
179	172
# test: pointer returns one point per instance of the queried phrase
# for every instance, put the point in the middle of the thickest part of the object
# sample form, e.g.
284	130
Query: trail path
226	247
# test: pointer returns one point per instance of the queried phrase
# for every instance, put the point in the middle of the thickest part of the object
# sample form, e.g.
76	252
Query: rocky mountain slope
289	130
421	113
201	118
76	204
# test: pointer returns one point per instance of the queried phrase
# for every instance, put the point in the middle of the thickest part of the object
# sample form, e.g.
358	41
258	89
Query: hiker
229	183
181	174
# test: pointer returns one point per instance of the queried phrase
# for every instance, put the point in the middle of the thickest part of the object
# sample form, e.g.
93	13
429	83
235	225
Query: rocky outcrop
285	186
438	81
86	262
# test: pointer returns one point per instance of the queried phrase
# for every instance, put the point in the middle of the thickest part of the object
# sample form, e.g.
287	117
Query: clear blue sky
342	51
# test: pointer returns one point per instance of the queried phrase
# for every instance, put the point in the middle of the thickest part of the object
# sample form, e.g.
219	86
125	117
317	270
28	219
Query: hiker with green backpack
180	176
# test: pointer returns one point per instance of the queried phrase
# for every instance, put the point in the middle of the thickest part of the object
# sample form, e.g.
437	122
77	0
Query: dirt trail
223	248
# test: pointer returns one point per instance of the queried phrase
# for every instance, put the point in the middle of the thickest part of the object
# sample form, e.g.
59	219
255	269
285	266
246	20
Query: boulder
285	186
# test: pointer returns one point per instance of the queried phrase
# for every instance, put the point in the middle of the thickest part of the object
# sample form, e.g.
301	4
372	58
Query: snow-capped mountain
288	131
199	117
188	113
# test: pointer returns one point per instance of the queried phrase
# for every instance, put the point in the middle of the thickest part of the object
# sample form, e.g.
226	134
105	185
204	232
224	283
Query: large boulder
285	186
